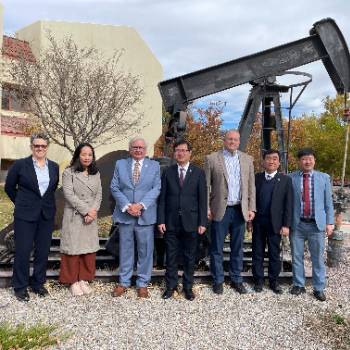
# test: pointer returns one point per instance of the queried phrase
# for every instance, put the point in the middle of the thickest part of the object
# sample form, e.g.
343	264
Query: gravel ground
230	321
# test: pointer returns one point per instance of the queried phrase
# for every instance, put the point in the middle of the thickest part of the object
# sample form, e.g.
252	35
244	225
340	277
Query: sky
189	35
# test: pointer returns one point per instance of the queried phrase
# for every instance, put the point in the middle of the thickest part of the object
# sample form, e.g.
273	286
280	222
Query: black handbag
112	244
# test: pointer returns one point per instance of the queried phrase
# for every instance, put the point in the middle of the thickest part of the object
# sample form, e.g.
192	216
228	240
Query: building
137	59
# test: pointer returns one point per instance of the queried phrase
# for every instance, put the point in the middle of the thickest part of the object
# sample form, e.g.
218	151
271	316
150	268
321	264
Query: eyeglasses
40	146
135	148
181	150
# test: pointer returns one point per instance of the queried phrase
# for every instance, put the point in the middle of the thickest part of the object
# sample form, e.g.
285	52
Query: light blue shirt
234	177
42	175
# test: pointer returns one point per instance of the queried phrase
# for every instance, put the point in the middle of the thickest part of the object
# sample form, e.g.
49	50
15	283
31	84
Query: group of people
180	204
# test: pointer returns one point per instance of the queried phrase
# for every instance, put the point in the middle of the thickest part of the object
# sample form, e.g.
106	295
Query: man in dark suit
274	202
182	215
31	184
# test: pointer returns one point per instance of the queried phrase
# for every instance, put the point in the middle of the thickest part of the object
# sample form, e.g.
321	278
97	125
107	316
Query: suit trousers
263	233
29	234
233	223
316	241
176	242
144	236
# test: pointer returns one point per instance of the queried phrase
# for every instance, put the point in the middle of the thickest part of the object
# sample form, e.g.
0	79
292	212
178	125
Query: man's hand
284	231
329	230
162	228
201	229
209	215
135	209
251	215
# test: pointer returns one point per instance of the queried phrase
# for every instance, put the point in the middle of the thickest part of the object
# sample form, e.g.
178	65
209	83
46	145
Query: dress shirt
311	187
272	175
42	175
234	177
184	167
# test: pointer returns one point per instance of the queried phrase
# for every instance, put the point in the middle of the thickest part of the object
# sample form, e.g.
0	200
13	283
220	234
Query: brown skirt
76	268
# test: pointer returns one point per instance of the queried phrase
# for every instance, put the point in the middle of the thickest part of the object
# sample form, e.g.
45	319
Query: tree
76	95
203	132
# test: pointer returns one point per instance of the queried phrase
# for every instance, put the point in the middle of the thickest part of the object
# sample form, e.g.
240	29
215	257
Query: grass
38	336
6	209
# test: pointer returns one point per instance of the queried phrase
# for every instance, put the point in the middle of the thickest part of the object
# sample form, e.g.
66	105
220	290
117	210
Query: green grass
38	336
6	209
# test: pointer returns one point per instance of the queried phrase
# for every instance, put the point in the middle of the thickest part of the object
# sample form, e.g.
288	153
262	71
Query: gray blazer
146	191
217	180
81	193
324	212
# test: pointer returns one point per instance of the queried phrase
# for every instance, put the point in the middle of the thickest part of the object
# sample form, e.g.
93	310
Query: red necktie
181	178
306	195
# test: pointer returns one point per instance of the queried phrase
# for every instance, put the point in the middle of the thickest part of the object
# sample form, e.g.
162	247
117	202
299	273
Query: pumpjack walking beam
325	43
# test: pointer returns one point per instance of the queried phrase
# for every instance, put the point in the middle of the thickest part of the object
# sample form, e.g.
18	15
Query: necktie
182	177
136	173
306	195
268	177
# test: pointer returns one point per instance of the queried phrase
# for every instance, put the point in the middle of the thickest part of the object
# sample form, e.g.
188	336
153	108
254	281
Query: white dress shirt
271	176
234	177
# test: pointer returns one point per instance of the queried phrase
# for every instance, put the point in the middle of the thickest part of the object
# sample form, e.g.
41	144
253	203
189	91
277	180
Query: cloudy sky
189	35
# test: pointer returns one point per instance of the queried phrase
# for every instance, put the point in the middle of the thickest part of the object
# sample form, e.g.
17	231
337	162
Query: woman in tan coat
79	237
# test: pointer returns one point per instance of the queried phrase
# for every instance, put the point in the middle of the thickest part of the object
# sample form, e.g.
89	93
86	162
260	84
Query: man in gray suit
313	216
135	187
231	187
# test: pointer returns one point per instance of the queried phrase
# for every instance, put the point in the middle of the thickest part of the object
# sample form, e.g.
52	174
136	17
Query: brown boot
118	291
142	292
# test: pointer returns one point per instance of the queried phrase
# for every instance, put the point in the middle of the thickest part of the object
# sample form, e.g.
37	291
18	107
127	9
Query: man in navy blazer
31	184
182	215
135	187
273	219
313	217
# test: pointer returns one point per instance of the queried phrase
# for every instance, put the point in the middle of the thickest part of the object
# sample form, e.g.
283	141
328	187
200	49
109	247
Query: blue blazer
324	212
146	191
22	188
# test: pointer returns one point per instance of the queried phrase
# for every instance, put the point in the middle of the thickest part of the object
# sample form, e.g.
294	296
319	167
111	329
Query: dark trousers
177	242
233	223
27	235
263	233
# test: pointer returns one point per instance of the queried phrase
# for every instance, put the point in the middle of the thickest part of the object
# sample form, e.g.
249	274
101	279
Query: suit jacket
191	199
146	191
81	193
217	182
281	202
323	203
23	189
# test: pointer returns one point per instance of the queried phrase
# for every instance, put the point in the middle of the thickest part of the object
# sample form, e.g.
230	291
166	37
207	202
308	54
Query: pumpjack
325	43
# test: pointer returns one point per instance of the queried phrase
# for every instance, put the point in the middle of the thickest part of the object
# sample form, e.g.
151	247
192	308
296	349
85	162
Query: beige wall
137	59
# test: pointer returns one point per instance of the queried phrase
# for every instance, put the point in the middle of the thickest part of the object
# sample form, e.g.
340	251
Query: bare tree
77	95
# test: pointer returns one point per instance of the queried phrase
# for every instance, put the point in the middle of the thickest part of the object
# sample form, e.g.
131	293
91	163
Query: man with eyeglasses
231	186
182	216
31	184
135	187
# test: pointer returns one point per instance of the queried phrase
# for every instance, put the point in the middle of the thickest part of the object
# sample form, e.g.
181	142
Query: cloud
189	35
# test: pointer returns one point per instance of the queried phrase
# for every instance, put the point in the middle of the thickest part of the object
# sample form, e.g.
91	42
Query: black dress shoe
22	295
319	295
41	291
239	287
189	295
276	288
258	288
168	293
218	288
297	290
